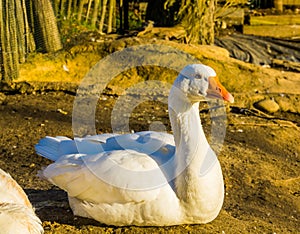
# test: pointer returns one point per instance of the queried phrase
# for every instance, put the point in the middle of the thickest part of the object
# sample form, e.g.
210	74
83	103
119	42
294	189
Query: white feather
16	213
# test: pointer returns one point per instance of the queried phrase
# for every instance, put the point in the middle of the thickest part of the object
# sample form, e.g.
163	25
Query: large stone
267	105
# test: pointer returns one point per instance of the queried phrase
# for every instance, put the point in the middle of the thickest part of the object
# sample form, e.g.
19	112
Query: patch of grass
42	68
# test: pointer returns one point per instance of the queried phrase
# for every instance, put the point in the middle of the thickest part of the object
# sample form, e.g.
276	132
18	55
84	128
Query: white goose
146	178
16	213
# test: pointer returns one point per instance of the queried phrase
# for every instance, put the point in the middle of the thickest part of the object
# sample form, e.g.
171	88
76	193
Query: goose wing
118	176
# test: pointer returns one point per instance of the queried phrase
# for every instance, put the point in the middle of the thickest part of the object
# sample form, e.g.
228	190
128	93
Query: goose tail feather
54	147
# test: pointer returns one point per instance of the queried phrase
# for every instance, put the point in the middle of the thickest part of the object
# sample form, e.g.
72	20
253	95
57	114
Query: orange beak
217	90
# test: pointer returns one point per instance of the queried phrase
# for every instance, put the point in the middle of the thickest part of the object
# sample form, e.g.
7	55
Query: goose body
16	213
146	178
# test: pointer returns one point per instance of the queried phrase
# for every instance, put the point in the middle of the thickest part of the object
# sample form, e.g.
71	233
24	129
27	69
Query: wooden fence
271	4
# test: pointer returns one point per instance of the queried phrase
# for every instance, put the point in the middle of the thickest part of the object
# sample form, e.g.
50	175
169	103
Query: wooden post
278	4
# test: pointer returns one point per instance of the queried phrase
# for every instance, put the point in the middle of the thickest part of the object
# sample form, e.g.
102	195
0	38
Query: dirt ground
260	157
260	161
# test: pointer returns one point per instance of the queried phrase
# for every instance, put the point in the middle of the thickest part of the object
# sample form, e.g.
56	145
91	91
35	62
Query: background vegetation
41	25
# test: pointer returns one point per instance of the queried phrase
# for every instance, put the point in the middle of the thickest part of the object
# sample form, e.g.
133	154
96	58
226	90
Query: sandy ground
260	156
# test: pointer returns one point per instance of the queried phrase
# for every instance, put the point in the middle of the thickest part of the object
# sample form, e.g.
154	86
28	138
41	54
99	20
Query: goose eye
198	76
205	78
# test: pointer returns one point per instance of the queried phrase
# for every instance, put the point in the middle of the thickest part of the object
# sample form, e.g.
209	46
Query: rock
116	46
287	65
286	106
24	87
2	98
267	105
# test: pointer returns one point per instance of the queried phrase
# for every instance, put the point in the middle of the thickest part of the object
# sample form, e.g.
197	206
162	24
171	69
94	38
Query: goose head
197	81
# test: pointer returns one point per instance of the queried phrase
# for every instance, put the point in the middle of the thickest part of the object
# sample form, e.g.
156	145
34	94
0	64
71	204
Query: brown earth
260	157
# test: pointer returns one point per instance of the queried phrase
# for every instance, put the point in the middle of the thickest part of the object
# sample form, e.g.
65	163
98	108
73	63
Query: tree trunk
29	40
114	21
207	24
20	31
62	11
75	7
95	13
31	22
88	11
103	13
69	11
9	42
48	31
79	16
120	6
112	5
197	17
17	22
56	7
